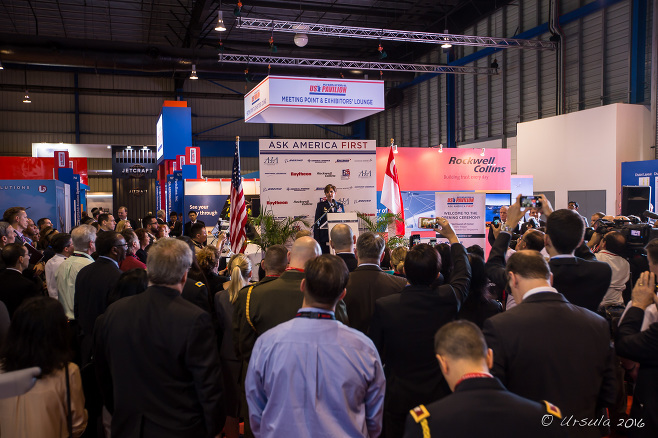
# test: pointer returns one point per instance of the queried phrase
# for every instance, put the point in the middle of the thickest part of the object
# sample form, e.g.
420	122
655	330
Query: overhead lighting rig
391	35
361	65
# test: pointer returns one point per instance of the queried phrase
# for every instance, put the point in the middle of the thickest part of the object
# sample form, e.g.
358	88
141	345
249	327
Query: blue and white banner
294	173
280	99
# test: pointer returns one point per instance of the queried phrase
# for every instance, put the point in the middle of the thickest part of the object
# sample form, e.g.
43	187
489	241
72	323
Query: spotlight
193	76
482	153
447	44
441	148
26	99
395	149
220	23
301	39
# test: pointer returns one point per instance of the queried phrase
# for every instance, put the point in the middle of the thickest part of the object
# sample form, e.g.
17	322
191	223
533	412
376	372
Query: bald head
342	238
303	249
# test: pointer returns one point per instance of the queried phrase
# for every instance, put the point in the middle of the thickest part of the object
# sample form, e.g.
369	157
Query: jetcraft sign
279	99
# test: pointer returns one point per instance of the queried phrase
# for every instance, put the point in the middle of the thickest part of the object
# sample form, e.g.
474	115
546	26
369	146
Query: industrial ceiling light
447	44
301	39
193	76
26	99
441	148
220	23
1	67
482	153
395	149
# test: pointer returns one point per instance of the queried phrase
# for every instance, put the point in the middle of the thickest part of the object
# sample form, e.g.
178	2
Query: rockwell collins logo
304	202
137	171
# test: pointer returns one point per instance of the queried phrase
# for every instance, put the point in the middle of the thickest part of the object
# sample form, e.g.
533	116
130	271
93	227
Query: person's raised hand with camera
514	215
446	230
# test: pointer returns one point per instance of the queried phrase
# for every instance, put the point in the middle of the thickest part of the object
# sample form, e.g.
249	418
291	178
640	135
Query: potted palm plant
274	231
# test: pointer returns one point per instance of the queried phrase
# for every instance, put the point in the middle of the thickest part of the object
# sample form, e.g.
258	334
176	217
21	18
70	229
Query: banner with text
466	213
452	169
294	173
280	99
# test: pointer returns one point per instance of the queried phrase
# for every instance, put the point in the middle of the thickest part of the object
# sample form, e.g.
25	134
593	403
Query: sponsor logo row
271	161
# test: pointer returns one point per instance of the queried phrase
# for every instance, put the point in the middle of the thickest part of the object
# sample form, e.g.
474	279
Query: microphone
650	215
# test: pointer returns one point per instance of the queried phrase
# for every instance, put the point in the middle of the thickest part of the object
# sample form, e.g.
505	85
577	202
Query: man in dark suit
642	346
546	348
403	327
94	282
327	205
465	361
175	226
199	235
14	287
172	387
368	282
187	229
342	241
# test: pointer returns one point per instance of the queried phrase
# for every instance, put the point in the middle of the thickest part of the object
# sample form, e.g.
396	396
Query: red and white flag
391	196
238	209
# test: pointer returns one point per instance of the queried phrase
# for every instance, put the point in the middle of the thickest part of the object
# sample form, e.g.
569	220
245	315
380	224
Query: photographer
611	251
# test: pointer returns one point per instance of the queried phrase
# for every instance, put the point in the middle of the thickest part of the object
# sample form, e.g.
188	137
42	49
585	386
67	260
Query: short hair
38	336
326	277
104	217
12	252
615	242
575	204
4	226
161	213
422	265
475	249
460	340
196	229
147	220
130	236
276	259
599	215
168	261
208	257
121	225
342	236
397	258
528	264
329	187
652	250
370	246
191	211
303	233
566	230
106	241
11	213
124	207
141	234
82	235
173	213
534	240
60	241
41	221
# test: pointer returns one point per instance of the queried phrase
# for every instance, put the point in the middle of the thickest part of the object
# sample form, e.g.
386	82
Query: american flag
238	209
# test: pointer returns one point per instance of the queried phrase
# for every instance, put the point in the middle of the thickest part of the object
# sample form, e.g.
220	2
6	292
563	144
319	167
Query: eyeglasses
125	245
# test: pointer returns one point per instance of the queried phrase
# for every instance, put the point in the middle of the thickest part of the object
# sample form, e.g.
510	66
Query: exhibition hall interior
345	218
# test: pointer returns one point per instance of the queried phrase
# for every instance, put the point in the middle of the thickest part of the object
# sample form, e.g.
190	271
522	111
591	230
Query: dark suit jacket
403	327
641	347
172	387
349	259
188	227
92	285
366	285
15	288
482	407
196	292
322	235
175	228
582	282
546	348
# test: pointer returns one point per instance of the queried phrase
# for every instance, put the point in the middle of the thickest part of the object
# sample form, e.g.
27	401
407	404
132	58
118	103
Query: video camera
637	234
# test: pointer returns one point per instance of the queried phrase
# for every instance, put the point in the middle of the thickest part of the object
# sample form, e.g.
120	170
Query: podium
350	219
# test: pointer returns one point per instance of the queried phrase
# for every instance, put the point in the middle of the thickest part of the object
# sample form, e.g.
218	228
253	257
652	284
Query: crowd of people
151	331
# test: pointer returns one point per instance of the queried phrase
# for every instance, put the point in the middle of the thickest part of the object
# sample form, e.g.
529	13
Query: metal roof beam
389	34
363	65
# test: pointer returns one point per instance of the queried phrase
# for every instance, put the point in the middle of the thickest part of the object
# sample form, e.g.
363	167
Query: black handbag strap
69	418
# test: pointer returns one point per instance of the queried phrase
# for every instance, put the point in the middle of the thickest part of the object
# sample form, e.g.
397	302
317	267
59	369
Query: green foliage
274	231
381	224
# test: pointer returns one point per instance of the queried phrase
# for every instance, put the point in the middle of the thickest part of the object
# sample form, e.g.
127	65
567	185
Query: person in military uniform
480	405
328	205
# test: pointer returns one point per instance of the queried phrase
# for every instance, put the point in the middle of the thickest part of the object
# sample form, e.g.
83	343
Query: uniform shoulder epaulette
419	413
552	409
199	284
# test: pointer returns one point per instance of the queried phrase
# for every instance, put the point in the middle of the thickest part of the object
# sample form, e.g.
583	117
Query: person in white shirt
62	244
610	250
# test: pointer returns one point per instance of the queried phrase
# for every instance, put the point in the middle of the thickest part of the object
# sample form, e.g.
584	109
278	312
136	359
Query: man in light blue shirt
313	376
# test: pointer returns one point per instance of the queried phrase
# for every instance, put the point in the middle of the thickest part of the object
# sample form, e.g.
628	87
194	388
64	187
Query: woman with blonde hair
397	260
239	267
123	225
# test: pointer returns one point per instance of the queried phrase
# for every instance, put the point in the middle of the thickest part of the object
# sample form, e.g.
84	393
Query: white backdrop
293	174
